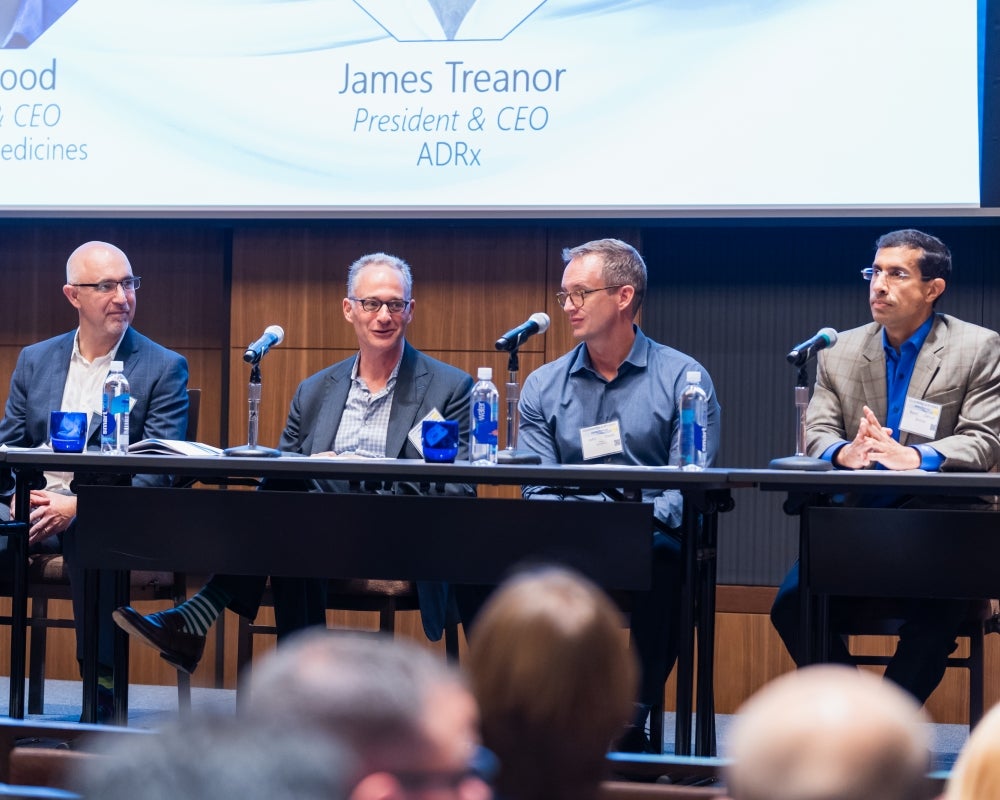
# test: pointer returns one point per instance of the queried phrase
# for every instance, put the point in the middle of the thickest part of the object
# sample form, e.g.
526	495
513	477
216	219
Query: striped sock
201	611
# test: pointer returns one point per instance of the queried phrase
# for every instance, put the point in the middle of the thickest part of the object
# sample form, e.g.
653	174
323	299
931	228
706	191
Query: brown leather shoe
163	630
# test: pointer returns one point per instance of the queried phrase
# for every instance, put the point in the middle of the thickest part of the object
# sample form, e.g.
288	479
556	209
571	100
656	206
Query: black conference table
462	540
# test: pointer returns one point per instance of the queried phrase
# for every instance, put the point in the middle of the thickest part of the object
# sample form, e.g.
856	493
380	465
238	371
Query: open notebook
176	447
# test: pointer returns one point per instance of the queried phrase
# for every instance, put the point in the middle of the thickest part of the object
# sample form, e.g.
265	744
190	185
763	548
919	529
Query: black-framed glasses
107	287
891	275
483	765
373	305
577	296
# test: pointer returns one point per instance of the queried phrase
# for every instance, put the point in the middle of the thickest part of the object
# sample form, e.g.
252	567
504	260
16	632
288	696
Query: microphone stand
251	449
800	460
510	454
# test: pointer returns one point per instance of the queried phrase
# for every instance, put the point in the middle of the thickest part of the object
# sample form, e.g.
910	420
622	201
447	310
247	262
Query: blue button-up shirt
560	398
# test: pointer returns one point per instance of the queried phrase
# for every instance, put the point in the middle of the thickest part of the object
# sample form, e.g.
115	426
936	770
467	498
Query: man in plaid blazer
915	389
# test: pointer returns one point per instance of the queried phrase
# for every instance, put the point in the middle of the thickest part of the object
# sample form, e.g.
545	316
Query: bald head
94	256
829	732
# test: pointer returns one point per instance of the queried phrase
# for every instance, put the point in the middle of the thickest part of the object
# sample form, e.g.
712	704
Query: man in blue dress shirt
613	399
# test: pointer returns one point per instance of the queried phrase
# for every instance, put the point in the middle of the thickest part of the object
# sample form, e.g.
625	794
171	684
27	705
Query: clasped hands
51	513
874	444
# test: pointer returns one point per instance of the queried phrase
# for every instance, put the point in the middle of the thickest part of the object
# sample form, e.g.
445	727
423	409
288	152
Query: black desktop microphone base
247	451
800	462
518	457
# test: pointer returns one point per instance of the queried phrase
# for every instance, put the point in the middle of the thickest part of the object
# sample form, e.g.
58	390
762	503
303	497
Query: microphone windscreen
541	319
277	332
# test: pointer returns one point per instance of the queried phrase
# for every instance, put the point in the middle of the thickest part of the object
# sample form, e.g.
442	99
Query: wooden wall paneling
204	373
182	266
182	304
469	284
292	277
33	266
457	318
282	370
474	283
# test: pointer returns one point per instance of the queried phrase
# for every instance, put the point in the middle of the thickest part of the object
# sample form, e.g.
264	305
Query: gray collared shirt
364	425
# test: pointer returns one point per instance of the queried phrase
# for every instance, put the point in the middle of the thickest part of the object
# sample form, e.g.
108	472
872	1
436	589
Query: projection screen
480	107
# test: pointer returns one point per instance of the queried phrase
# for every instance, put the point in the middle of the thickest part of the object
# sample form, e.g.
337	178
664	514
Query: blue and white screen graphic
540	106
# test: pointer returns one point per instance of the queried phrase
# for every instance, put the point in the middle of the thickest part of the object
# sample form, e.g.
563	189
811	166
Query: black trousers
927	635
298	602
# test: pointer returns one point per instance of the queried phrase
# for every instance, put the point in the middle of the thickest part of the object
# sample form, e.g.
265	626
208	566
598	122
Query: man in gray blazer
914	389
67	373
369	405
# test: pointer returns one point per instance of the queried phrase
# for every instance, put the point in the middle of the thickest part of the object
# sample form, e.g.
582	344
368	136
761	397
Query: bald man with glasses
67	372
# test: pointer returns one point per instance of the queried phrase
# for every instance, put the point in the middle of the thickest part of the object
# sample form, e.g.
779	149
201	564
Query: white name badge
601	440
920	417
414	435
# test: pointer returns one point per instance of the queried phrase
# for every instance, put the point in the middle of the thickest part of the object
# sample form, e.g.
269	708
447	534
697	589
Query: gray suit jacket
958	368
423	384
157	382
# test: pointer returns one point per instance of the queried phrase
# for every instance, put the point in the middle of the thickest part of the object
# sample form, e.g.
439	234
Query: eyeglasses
891	275
483	765
579	295
373	305
107	287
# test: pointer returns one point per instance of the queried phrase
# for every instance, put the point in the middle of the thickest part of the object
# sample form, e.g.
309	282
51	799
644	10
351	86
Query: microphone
801	353
515	337
273	334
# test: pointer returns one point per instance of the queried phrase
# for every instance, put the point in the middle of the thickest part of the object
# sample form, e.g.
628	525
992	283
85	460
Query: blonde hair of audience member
976	773
404	711
829	732
555	681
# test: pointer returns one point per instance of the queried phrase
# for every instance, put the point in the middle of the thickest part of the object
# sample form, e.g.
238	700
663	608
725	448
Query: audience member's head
209	757
404	711
829	732
555	682
976	773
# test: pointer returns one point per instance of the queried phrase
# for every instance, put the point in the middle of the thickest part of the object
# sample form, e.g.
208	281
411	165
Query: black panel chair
864	618
869	558
48	580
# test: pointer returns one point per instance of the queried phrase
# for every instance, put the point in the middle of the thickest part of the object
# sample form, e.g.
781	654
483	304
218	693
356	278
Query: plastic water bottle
694	424
114	411
483	430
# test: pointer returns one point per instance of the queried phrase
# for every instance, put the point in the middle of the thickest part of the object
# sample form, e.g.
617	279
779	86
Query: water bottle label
119	404
486	432
687	416
484	426
107	416
700	443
